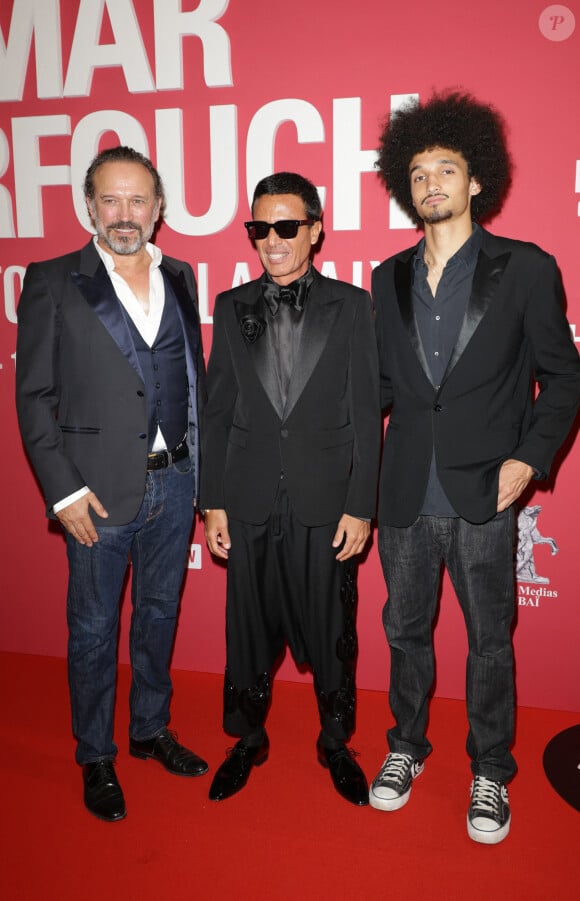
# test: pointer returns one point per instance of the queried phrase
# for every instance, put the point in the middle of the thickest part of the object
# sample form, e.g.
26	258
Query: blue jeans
156	541
480	562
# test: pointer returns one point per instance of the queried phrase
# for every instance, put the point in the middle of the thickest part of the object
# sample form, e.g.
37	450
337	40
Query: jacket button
140	394
438	408
143	435
284	433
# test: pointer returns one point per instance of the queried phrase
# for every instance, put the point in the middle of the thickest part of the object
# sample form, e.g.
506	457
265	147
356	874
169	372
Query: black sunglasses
284	228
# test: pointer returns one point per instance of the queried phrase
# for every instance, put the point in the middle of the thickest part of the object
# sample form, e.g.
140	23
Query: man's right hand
76	519
216	532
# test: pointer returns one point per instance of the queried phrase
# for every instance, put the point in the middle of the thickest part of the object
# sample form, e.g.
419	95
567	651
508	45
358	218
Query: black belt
163	459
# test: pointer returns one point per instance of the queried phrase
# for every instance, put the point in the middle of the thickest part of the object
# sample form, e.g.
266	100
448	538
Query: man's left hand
514	477
354	532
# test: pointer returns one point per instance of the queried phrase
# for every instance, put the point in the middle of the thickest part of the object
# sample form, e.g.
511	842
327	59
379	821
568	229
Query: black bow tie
294	294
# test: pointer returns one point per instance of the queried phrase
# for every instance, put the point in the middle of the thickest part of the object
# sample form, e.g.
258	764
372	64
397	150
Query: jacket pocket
238	436
79	430
333	437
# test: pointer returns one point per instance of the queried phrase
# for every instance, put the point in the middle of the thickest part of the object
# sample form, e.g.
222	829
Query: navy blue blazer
79	389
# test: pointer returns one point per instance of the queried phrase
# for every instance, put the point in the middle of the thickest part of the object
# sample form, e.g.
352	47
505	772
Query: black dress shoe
103	794
166	749
349	780
234	771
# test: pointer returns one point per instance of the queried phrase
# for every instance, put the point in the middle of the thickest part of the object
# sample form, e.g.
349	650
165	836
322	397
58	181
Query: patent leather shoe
103	794
347	776
166	749
233	774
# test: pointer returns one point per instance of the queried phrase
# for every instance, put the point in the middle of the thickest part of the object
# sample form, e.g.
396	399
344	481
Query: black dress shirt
284	308
439	318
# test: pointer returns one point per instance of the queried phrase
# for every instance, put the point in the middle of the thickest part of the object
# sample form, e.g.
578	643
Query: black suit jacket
326	439
514	331
79	390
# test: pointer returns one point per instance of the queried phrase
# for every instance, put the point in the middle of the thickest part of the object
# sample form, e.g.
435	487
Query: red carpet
288	835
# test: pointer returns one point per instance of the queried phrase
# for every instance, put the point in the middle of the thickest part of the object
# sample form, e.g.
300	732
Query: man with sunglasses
291	456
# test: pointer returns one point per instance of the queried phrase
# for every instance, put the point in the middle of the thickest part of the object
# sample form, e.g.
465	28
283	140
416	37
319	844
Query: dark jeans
157	542
480	562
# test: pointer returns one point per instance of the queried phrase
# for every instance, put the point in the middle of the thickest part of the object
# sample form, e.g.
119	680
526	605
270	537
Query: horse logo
528	536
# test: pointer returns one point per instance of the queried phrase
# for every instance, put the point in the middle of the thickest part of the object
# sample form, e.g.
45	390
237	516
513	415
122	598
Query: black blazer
79	391
326	439
514	331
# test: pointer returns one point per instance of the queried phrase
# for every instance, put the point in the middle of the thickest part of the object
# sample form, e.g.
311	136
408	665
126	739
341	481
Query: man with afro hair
466	323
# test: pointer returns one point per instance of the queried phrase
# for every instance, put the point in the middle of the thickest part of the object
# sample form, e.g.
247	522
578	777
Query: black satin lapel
318	322
486	278
261	352
403	286
100	295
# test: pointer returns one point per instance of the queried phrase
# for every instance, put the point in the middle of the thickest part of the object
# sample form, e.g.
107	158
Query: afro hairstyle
456	122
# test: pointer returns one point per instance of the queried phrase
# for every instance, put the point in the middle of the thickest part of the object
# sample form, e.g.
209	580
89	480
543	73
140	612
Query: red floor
288	835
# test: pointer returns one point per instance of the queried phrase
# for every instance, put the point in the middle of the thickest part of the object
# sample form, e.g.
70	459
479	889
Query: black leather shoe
233	774
347	776
174	757
103	794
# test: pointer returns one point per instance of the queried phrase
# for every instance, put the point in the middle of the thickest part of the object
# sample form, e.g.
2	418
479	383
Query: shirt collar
152	249
466	255
307	277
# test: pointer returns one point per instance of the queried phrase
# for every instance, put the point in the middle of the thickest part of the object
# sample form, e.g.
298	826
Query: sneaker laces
486	795
395	768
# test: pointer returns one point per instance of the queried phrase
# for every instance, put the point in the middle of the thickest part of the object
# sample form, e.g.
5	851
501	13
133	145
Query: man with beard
110	380
467	322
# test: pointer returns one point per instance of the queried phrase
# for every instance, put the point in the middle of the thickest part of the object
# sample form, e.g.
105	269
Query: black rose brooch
252	327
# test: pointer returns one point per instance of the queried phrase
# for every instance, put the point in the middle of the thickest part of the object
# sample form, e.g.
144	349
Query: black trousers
286	587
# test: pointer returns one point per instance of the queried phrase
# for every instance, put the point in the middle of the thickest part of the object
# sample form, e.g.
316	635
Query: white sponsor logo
528	536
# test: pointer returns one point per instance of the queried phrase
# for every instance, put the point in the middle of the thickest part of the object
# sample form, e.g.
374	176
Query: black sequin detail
249	705
337	708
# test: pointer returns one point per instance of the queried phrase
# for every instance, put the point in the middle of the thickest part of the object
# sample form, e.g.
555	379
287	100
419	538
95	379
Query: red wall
217	105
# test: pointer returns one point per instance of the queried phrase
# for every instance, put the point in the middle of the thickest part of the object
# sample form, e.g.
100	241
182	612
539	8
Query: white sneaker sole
494	837
388	803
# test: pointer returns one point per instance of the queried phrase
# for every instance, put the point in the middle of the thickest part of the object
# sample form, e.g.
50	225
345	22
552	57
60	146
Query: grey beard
125	247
